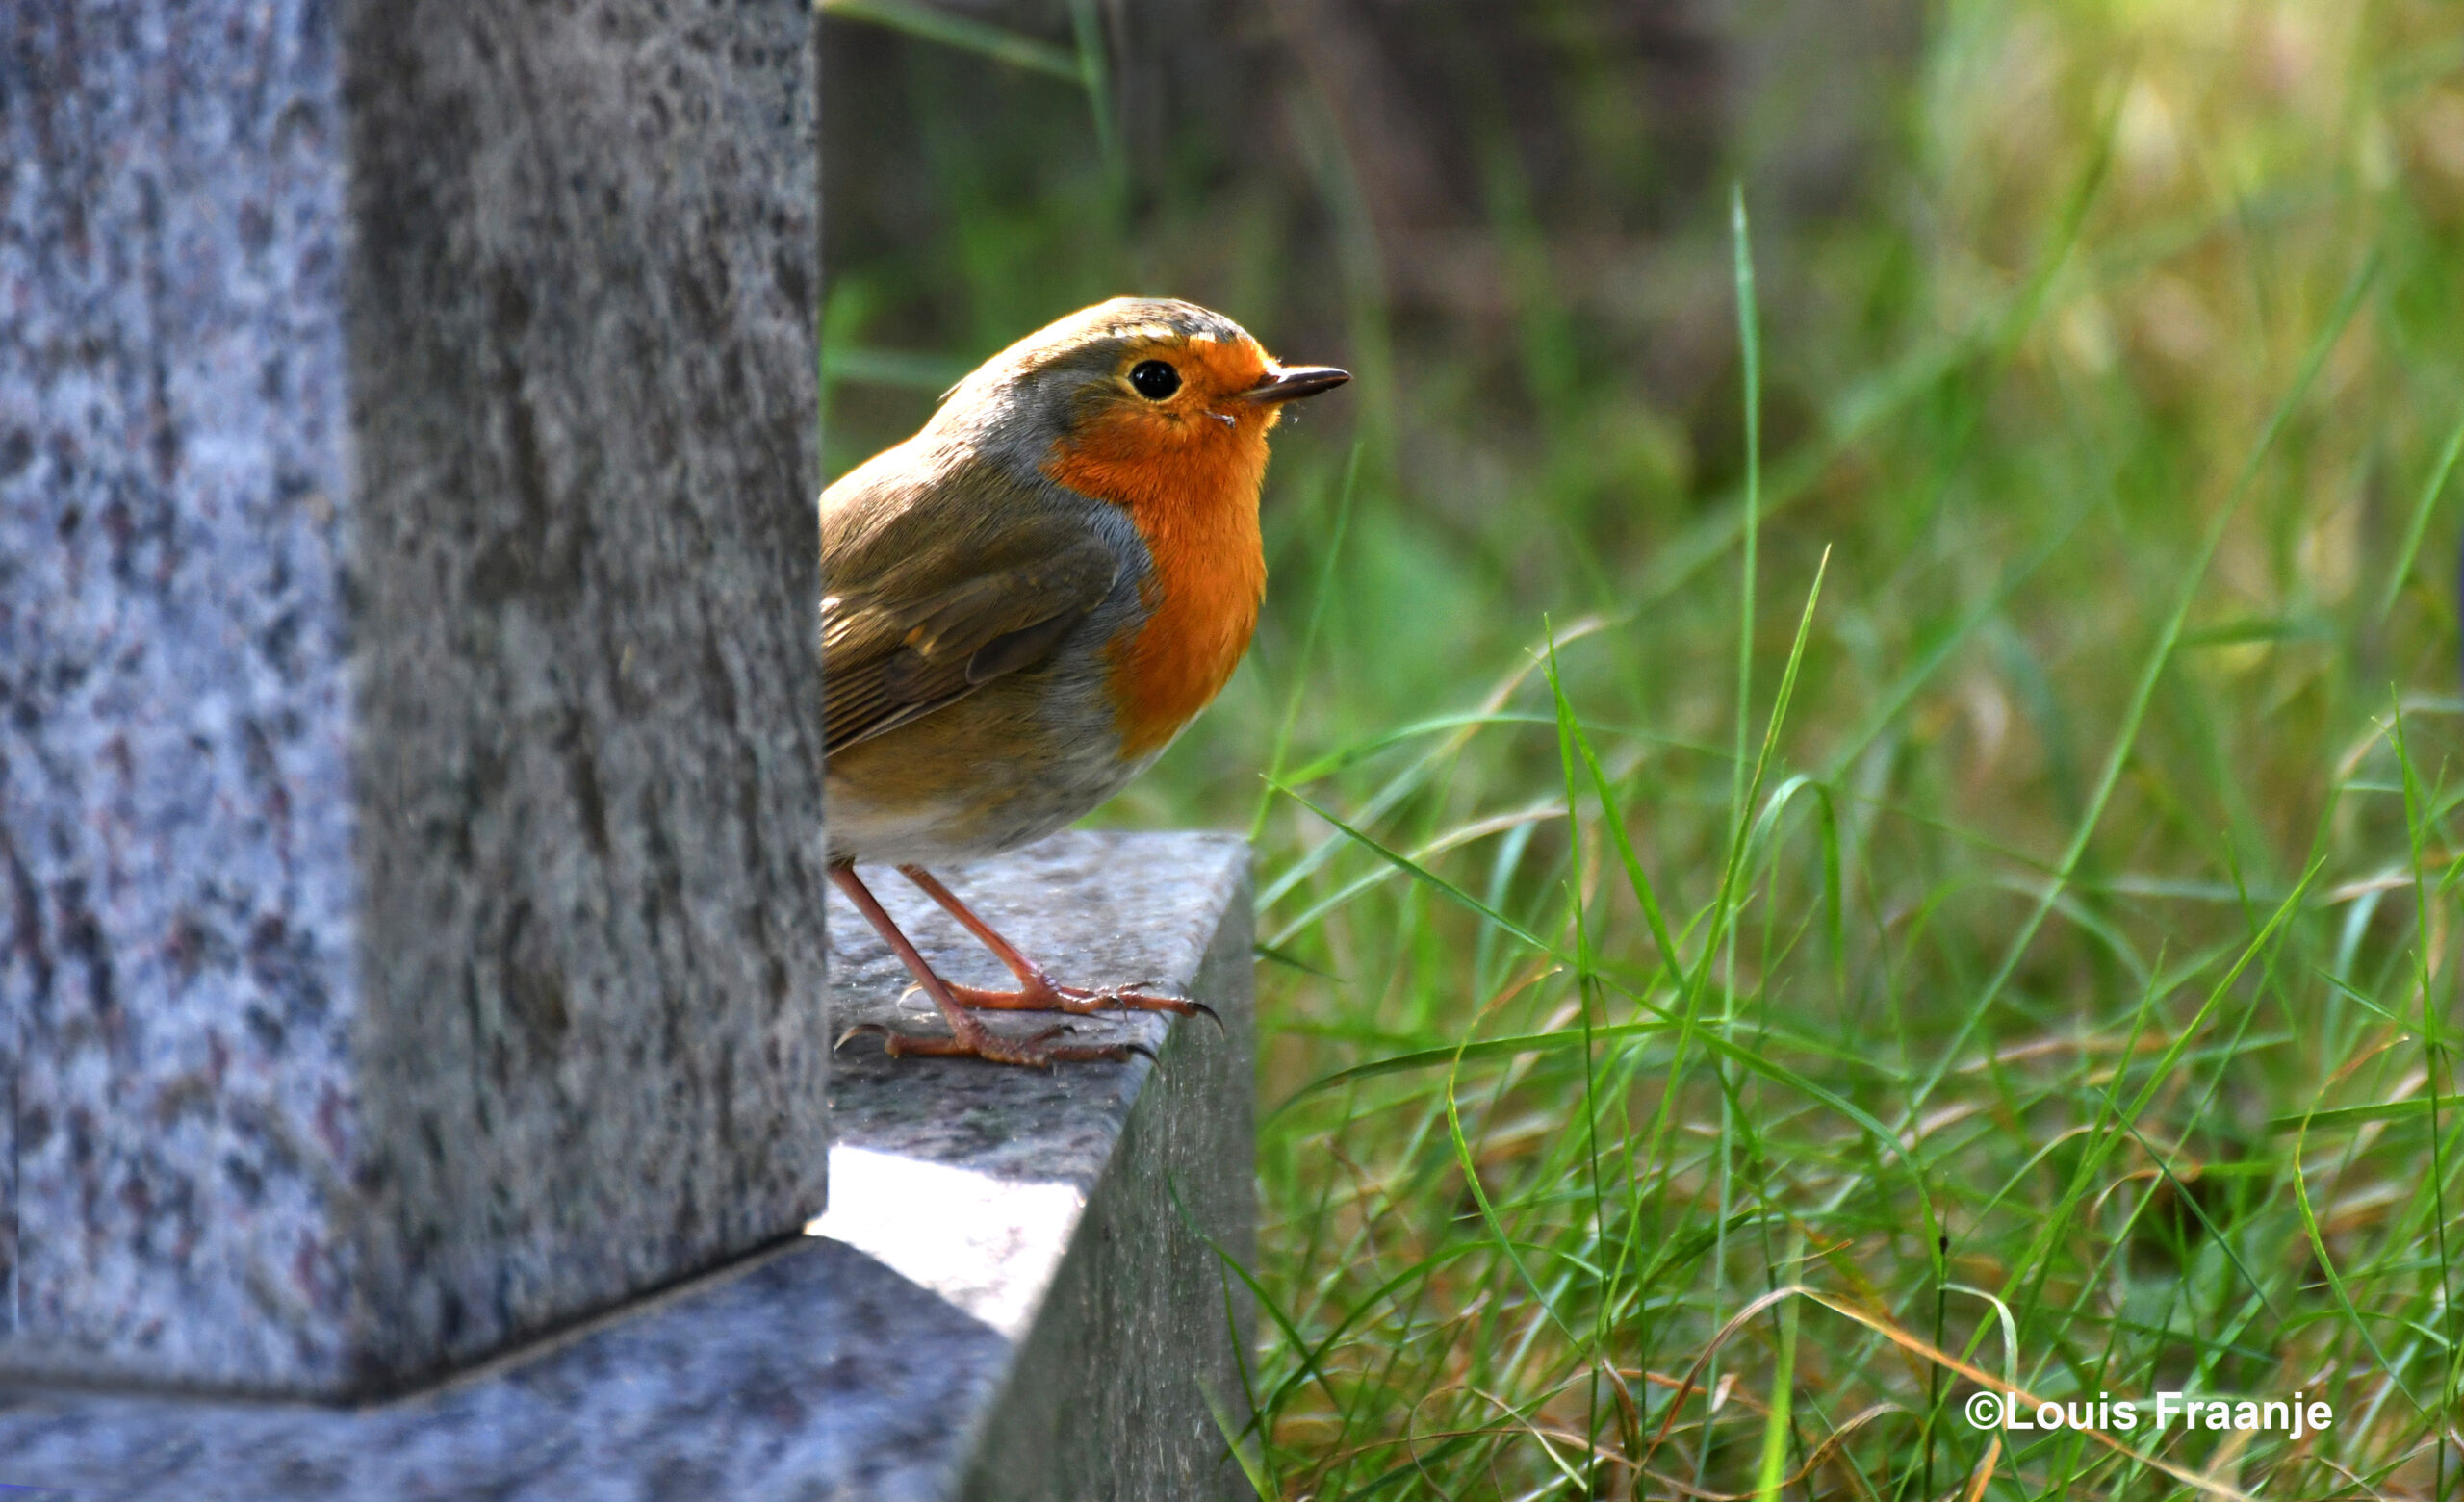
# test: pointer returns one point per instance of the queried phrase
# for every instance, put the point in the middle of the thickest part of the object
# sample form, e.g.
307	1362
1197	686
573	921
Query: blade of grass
1308	647
1407	781
1094	72
1750	356
1427	878
1750	352
2310	1227
1777	1433
1471	1171
2420	523
1586	990
966	33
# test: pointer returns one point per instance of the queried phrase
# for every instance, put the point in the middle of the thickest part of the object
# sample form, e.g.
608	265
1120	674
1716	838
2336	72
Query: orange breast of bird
1190	486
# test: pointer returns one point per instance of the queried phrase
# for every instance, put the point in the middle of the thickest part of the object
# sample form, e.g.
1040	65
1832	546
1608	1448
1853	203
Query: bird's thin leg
1036	990
969	1038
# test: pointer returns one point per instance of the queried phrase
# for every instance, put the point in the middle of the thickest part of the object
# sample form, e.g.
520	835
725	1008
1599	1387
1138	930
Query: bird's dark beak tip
1296	381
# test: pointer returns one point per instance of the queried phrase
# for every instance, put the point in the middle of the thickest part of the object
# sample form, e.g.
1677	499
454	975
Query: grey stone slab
410	892
1002	1301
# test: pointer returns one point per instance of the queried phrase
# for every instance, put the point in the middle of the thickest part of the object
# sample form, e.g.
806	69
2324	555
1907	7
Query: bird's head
1142	401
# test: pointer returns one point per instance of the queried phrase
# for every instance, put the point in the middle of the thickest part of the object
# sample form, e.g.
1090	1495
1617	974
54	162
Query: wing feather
924	607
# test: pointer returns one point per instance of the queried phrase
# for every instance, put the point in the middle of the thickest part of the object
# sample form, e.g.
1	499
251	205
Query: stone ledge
1003	1300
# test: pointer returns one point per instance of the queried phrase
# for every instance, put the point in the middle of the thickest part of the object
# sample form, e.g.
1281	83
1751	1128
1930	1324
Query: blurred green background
2043	947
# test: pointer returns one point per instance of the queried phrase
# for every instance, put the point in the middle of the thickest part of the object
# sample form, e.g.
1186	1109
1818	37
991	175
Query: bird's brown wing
926	603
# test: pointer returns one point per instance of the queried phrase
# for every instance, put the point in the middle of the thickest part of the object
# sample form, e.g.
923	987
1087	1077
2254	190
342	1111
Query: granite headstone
410	869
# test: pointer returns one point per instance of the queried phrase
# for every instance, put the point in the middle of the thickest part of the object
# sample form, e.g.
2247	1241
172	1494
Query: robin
1027	601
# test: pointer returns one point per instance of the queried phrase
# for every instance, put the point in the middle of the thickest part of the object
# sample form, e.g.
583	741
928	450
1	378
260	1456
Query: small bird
1026	601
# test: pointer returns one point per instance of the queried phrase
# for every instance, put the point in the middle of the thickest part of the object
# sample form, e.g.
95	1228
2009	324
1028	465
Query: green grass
1757	944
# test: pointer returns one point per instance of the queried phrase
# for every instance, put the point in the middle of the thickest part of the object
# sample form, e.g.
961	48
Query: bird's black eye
1154	380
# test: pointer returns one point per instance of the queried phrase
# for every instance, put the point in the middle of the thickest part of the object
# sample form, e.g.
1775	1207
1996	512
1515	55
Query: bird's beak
1291	382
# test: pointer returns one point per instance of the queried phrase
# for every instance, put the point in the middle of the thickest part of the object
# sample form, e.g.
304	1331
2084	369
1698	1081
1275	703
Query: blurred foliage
2067	979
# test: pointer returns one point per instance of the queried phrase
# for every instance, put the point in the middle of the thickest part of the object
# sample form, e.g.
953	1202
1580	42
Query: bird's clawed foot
1038	992
969	1037
1033	1051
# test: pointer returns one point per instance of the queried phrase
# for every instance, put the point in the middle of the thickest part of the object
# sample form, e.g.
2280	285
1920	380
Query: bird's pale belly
1010	763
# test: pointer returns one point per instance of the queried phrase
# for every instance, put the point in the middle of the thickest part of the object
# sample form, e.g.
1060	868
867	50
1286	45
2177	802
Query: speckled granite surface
1002	1302
409	727
176	818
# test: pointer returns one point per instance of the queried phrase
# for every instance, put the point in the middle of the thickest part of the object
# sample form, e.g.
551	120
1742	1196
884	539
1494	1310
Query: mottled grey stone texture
1108	1397
409	755
1001	1302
